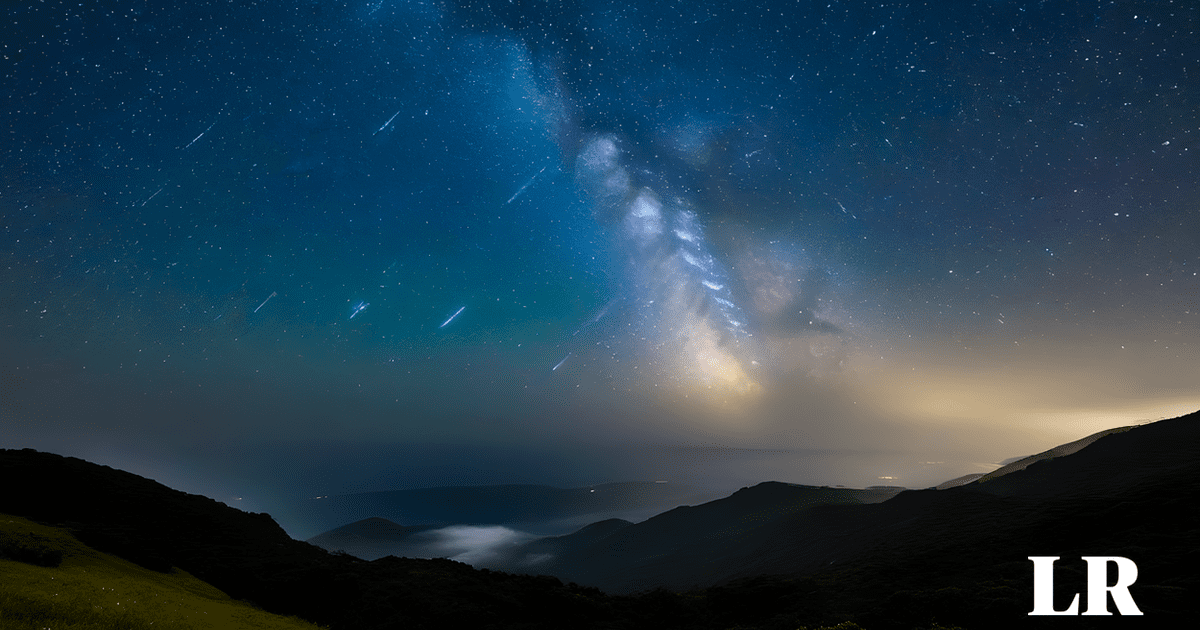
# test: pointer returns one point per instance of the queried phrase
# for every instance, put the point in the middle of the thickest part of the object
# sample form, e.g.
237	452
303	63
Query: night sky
265	250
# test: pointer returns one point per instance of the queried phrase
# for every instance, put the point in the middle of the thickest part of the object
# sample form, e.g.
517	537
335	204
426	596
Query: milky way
345	245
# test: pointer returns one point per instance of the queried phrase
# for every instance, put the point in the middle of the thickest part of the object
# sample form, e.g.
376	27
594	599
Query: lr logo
1097	586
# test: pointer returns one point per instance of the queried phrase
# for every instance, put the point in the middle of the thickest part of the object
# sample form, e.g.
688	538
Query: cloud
477	545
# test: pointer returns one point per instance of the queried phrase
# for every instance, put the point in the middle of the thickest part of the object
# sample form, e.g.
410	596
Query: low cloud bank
477	545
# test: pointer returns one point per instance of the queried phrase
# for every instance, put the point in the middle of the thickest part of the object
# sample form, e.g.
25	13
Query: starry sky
257	250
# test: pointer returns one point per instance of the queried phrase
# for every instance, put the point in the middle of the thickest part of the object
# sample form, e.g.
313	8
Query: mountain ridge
955	556
1024	507
502	504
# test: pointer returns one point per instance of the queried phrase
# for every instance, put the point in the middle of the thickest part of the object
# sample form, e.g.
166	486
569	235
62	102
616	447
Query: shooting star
264	302
522	188
201	135
358	308
559	364
445	323
155	193
389	121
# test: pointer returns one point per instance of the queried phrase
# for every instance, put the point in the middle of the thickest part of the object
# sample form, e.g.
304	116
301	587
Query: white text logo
1097	586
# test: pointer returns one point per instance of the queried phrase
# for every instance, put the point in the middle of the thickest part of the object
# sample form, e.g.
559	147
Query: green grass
93	590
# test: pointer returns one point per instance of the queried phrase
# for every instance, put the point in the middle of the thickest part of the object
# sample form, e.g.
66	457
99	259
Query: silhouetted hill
680	548
1116	460
963	551
1058	451
959	481
585	537
771	556
1020	463
250	557
516	505
373	538
58	582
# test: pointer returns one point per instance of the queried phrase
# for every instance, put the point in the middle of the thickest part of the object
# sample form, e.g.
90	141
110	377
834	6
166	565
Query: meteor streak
264	302
389	121
522	188
559	364
445	323
199	136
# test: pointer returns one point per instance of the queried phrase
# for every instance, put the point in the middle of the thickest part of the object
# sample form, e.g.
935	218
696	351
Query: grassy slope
97	590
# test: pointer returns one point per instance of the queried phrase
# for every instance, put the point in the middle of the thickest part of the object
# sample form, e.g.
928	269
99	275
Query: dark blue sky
715	242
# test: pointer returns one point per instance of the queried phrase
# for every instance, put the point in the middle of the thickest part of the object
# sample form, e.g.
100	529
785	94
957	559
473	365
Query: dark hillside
689	545
772	556
250	557
963	551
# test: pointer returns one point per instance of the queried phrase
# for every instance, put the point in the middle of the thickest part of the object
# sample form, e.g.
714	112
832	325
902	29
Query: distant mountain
1131	491
959	481
535	507
704	545
373	538
1058	451
680	548
770	556
249	557
1020	463
731	517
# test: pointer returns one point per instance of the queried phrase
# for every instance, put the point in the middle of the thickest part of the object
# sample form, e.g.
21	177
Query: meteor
452	317
264	302
385	125
564	360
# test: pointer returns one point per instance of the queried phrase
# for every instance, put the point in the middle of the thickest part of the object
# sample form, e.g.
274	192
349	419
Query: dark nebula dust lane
338	246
